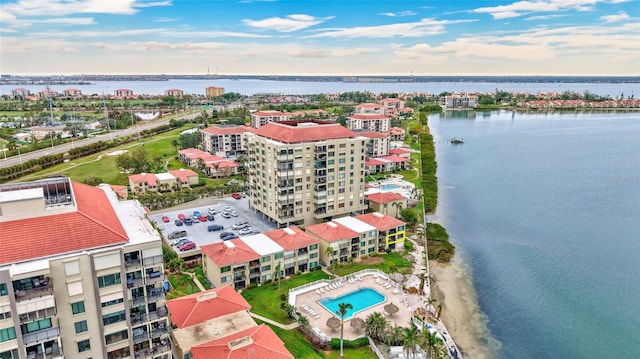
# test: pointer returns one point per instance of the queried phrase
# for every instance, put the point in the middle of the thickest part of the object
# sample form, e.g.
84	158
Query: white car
234	213
212	210
245	231
226	208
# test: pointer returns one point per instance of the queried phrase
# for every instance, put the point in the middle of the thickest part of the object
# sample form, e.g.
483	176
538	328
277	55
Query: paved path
279	325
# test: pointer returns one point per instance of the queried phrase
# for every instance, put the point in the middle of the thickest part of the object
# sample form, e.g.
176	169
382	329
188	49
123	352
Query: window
116	337
313	246
341	160
3	289
278	255
84	345
370	249
225	269
119	353
5	315
11	354
7	334
109	280
313	255
265	259
225	279
81	326
113	318
36	325
330	162
77	307
112	302
362	244
265	268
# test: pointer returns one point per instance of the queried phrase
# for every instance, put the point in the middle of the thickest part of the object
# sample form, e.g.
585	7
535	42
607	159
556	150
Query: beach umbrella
391	308
357	323
333	323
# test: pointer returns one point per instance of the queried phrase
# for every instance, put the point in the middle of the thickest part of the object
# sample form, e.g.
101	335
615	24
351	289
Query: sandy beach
460	311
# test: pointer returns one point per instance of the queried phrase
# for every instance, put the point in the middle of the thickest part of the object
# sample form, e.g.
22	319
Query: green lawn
265	300
181	285
386	260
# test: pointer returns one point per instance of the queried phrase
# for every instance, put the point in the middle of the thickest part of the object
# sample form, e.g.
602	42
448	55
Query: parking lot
198	232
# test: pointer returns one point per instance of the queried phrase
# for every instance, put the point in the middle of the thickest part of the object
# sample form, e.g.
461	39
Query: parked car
178	222
236	196
229	237
214	227
177	234
203	218
224	234
165	219
245	231
243	195
240	225
196	213
211	217
226	214
181	241
234	213
232	182
195	219
187	246
188	221
181	216
212	210
226	208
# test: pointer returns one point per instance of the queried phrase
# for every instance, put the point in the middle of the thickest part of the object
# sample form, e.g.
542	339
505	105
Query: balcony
141	337
35	315
128	263
355	240
239	277
43	334
137	282
38	287
158	332
160	312
253	265
154	277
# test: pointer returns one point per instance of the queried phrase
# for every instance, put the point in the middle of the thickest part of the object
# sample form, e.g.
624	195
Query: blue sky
328	37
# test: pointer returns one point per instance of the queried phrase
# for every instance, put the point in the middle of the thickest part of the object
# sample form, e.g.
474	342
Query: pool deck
310	299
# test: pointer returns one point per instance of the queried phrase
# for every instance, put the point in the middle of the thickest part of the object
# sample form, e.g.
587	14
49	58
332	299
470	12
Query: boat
457	141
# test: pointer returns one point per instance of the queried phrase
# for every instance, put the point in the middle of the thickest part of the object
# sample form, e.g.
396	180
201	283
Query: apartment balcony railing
134	282
57	353
153	297
139	338
132	263
239	277
40	291
355	240
35	315
155	277
43	334
156	333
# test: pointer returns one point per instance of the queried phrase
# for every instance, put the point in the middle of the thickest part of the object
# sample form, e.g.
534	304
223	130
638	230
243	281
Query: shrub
283	297
356	343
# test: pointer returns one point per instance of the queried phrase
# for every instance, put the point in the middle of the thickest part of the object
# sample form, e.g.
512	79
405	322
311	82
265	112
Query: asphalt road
142	125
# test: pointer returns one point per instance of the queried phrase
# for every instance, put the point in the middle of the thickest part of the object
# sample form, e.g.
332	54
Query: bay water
545	212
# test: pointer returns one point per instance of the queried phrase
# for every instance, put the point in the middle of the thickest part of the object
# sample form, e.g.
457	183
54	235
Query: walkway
279	325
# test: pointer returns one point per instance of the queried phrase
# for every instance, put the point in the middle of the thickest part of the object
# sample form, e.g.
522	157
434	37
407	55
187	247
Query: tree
374	325
189	140
329	252
398	206
175	265
422	280
430	342
277	274
303	321
410	340
409	216
342	311
138	161
429	303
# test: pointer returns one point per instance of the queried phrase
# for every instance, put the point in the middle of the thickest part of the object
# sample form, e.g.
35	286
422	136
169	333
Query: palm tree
410	340
398	206
329	252
374	325
392	270
439	310
303	321
429	303
277	274
430	342
342	311
422	280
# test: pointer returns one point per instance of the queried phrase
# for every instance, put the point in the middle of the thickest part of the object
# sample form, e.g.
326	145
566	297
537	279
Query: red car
165	219
236	195
202	218
187	246
181	217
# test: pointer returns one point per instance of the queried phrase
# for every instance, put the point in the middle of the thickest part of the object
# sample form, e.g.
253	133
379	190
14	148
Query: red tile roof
331	231
382	222
399	151
374	162
149	178
259	342
227	130
386	197
395	158
183	174
369	105
222	164
372	134
199	307
391	100
291	238
303	133
230	252
365	117
270	113
187	151
94	224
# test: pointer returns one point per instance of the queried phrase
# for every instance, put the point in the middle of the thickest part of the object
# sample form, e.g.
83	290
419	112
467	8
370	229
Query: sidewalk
279	325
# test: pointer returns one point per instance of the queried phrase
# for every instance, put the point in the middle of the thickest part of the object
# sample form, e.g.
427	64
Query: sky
320	37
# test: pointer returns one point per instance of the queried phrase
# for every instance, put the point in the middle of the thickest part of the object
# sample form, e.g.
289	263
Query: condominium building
174	93
254	259
303	173
123	93
162	182
377	143
72	93
81	274
212	91
224	140
368	109
459	101
216	324
261	118
369	122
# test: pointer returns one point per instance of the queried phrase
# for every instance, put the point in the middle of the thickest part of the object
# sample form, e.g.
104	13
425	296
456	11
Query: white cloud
67	7
166	19
520	8
399	14
544	17
290	23
621	15
68	21
424	27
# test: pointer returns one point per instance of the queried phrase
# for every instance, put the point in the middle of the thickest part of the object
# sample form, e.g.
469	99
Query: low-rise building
211	165
224	140
72	93
386	164
20	93
391	231
162	182
397	133
123	93
177	93
387	203
459	101
261	118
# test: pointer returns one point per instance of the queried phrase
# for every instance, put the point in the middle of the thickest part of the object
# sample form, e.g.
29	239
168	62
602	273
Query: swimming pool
388	187
360	299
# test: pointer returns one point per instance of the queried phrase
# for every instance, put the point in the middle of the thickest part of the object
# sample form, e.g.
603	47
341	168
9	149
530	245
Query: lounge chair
388	285
318	291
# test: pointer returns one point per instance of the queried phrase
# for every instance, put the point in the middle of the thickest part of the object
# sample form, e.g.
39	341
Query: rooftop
303	132
230	252
381	221
259	342
262	244
291	238
227	129
385	197
332	231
